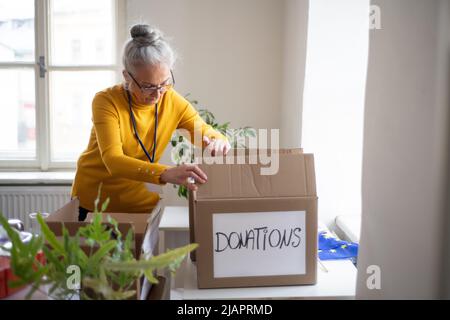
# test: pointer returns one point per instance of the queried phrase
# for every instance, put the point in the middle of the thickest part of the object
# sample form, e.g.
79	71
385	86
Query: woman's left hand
217	146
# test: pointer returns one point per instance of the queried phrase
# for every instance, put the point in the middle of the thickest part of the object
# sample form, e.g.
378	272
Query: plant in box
108	271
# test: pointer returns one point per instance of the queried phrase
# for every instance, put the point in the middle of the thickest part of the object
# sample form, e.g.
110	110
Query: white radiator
19	201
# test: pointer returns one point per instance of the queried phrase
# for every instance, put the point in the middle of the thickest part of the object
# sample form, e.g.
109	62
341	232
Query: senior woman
132	124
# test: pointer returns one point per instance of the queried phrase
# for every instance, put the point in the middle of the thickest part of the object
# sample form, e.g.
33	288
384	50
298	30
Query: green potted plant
110	271
183	150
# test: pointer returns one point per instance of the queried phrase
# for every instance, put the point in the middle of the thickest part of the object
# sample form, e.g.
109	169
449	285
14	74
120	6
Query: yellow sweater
114	156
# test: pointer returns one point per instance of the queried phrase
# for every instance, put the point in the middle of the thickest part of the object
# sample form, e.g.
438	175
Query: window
333	101
54	56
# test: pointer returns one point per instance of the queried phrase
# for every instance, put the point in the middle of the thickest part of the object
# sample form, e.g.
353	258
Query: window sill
349	226
37	178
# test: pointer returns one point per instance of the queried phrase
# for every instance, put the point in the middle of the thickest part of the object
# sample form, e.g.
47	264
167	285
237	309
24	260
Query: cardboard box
145	228
254	229
144	225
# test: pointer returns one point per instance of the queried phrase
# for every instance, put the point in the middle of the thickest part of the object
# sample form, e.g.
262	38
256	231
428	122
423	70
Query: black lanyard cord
133	120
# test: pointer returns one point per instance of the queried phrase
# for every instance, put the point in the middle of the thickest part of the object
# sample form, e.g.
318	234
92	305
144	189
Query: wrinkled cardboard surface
295	178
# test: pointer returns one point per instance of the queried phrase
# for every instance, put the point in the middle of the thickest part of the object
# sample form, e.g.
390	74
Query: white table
173	233
174	228
339	282
335	279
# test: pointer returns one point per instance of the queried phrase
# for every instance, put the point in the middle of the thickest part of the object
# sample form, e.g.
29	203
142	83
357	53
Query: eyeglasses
153	89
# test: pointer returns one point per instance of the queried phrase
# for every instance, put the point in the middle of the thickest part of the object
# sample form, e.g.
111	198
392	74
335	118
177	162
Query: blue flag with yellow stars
331	248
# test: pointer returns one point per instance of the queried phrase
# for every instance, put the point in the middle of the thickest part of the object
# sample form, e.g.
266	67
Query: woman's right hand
181	174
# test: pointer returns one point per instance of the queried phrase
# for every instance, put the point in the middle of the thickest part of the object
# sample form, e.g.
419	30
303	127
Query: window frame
42	23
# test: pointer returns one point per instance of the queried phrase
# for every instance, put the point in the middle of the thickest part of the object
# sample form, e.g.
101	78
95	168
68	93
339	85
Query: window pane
82	32
71	94
16	30
17	114
333	101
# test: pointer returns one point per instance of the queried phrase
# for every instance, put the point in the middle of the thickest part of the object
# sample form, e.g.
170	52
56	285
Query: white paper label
259	243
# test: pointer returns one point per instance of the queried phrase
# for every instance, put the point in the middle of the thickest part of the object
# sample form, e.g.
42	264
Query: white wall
238	58
231	54
294	64
405	162
443	99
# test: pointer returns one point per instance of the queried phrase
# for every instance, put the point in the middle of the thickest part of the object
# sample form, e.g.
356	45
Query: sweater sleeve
191	120
107	129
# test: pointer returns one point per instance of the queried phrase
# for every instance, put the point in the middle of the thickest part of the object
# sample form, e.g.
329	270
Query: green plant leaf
53	259
160	261
182	191
102	252
17	283
50	236
150	277
168	257
95	232
175	264
105	205
103	290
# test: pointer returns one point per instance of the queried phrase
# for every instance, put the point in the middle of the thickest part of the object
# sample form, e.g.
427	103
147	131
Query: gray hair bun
147	46
145	35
